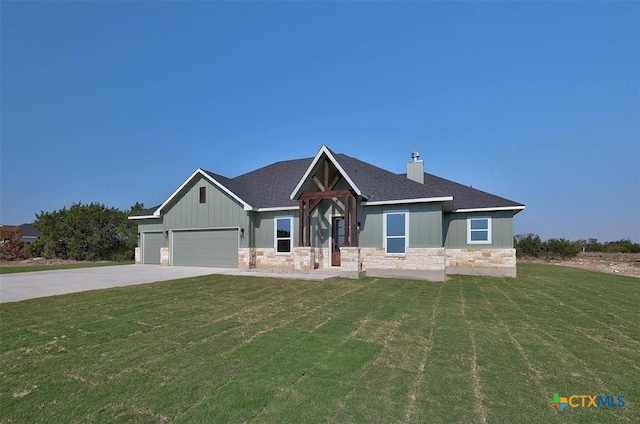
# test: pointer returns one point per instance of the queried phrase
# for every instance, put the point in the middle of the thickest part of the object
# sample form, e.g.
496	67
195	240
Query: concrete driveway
29	285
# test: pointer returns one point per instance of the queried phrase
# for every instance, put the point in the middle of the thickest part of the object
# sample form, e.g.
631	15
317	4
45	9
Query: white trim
406	201
247	207
406	231
488	230
275	235
144	217
501	208
276	209
171	231
326	151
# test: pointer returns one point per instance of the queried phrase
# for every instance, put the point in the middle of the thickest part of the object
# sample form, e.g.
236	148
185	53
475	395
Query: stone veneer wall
164	256
350	259
301	258
416	258
137	256
481	257
247	257
487	261
266	257
322	257
304	258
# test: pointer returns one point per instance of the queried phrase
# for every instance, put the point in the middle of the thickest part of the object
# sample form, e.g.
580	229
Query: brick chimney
415	168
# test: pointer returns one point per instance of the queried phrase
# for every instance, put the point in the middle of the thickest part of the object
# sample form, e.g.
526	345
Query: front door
337	239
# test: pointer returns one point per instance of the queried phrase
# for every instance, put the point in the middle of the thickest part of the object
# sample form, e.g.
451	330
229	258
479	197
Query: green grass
223	349
32	268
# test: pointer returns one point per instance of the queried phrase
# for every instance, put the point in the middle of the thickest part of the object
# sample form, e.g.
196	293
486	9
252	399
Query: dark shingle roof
28	230
146	212
382	185
465	197
271	186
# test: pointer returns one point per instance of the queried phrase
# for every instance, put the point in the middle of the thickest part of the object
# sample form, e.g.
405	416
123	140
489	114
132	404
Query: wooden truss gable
322	185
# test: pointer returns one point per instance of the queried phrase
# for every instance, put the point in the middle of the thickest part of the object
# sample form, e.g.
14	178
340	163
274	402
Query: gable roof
276	186
325	151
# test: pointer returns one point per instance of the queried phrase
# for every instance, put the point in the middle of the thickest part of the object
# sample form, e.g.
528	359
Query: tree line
84	232
530	245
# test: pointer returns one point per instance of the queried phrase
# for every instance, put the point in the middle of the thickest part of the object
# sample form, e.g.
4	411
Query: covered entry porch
325	185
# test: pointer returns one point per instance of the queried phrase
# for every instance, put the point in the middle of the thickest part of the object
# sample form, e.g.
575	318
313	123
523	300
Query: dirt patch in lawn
611	263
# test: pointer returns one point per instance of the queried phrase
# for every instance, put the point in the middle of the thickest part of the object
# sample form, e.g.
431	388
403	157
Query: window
479	230
203	195
283	235
396	237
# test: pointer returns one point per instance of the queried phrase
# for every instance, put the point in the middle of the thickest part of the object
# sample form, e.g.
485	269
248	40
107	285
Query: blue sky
119	102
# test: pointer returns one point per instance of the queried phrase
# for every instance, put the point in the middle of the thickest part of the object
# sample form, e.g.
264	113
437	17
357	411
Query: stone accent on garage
488	261
137	256
164	256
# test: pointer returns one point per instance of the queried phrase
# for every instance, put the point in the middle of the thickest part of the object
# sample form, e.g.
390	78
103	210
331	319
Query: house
332	211
29	233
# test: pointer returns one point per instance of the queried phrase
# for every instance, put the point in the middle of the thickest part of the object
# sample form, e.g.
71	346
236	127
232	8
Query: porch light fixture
358	227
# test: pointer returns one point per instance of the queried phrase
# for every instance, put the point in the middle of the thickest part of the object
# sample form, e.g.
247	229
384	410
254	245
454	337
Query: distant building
29	233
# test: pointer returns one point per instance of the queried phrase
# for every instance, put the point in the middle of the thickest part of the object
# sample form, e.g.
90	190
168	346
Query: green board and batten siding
425	224
186	212
263	227
201	234
455	228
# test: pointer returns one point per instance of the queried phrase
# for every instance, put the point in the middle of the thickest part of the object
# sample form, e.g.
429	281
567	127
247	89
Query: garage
216	248
151	245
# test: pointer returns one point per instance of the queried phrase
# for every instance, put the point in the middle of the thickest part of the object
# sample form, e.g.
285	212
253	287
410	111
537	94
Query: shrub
561	249
529	245
11	247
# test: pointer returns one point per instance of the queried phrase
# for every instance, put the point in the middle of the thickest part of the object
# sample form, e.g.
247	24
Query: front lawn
222	349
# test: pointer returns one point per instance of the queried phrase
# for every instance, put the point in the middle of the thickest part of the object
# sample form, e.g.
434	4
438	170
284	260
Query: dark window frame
203	195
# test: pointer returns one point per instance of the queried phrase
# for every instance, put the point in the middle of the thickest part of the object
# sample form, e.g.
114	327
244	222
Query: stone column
303	258
350	263
164	256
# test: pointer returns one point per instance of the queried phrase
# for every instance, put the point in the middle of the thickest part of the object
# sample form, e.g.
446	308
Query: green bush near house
244	349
